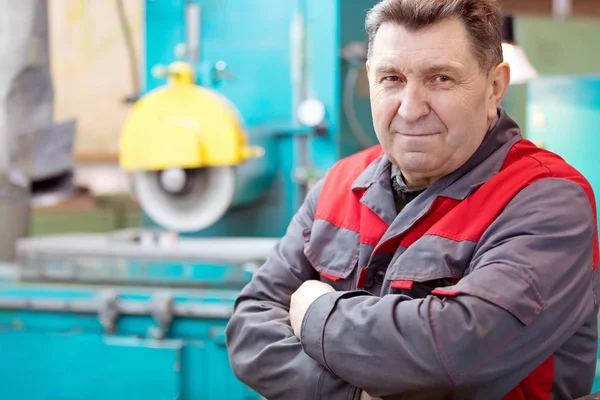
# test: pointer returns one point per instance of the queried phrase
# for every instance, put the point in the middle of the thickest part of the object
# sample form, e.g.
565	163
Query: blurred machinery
245	105
235	154
36	162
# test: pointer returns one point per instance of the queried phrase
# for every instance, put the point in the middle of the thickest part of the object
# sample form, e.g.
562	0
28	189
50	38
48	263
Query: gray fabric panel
575	361
262	348
370	174
311	333
379	197
432	257
506	287
331	249
388	337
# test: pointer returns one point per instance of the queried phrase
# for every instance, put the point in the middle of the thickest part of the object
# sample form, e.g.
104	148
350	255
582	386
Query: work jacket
482	287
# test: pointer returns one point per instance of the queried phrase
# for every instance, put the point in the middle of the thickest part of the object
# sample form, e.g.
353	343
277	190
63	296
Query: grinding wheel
185	200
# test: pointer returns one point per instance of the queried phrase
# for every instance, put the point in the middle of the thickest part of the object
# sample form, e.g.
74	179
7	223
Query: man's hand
302	298
365	396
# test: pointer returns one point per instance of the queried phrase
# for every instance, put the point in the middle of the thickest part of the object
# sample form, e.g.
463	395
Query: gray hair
482	19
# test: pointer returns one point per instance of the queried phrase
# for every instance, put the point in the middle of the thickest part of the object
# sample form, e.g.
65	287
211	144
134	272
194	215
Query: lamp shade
521	69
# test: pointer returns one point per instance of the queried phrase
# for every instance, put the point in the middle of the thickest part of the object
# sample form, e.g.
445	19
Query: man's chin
416	163
418	173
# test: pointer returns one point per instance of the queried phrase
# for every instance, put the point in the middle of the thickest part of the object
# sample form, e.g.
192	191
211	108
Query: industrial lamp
521	69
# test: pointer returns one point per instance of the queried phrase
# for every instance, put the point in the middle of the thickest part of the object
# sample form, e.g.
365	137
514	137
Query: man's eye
391	79
442	78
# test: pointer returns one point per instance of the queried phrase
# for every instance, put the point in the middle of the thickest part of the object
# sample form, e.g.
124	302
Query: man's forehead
391	64
445	40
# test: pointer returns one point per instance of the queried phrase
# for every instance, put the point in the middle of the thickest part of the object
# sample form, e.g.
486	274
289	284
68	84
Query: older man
455	260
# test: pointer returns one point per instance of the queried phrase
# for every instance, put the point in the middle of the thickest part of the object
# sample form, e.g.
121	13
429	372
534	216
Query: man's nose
413	103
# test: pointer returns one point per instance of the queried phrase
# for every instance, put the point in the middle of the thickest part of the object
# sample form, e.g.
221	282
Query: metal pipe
193	19
122	307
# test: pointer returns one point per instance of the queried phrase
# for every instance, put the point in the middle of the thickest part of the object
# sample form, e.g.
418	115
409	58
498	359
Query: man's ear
499	81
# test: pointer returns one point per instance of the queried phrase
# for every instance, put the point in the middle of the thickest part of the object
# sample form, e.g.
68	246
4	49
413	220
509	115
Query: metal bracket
163	313
108	310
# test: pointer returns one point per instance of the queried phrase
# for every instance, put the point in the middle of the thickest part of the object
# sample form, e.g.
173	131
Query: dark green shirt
402	193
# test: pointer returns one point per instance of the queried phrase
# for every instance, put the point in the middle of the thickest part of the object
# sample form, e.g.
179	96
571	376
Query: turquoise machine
294	71
563	113
141	314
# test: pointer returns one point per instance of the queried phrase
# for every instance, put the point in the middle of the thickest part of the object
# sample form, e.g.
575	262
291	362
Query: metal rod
193	31
123	307
232	283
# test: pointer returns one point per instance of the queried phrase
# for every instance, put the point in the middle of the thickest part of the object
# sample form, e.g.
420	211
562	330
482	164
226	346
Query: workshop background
152	152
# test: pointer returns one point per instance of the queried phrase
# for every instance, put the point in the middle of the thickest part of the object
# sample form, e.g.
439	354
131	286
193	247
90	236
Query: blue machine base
55	346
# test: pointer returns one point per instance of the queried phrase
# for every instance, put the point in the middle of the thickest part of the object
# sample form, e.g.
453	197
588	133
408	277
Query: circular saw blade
206	197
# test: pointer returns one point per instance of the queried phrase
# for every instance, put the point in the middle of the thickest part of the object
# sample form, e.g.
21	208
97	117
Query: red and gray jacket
483	287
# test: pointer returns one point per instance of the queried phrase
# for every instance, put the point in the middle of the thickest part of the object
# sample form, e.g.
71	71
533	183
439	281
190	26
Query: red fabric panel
537	386
403	285
338	204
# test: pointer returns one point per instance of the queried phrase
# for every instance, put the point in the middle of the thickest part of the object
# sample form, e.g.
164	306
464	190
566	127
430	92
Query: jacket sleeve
530	288
263	351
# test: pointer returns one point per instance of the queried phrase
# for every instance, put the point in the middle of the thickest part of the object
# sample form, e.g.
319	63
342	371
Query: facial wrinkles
462	86
410	56
412	66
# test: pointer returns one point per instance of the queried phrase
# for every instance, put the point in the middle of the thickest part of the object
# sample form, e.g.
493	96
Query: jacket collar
373	171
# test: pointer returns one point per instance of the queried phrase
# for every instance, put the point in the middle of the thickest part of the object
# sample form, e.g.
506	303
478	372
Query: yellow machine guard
183	125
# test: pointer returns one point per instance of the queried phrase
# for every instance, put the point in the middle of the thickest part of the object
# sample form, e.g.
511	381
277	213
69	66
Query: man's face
431	102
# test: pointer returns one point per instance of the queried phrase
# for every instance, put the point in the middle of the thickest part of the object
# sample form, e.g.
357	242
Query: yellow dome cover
183	125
